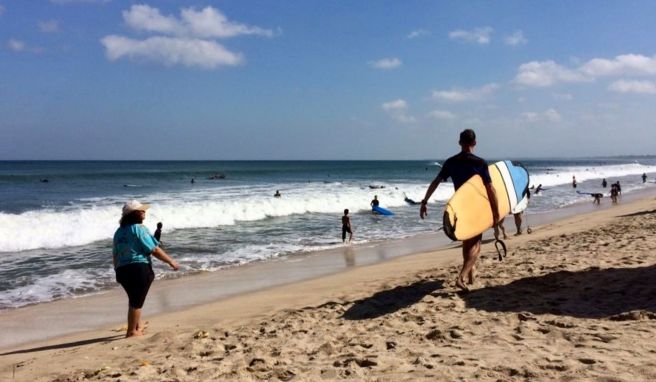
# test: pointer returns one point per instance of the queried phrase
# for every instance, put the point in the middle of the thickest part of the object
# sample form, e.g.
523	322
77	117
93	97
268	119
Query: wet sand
573	300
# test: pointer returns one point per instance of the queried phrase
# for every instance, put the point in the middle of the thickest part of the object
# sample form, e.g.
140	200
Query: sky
241	79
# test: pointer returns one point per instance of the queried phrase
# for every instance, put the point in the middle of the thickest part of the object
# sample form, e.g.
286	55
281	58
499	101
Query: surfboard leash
497	243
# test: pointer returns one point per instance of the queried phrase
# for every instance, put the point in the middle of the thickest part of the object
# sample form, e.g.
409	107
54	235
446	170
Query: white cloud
171	51
206	23
546	73
478	35
563	96
397	109
386	63
187	40
549	115
49	26
20	46
640	87
628	64
443	115
418	33
462	95
515	39
15	45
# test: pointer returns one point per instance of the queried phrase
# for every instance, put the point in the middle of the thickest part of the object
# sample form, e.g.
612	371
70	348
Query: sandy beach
572	301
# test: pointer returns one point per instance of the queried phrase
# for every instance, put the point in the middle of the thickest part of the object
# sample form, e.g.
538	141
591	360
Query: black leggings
135	279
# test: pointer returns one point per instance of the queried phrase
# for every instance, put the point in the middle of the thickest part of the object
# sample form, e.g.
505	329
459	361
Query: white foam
68	283
563	175
97	218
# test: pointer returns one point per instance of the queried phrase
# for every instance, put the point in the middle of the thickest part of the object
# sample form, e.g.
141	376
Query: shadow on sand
67	345
389	301
591	293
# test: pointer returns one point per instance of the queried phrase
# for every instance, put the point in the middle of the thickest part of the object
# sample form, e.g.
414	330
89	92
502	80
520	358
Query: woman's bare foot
135	333
142	326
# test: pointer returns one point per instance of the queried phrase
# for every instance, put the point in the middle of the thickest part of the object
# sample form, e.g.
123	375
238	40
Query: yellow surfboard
468	212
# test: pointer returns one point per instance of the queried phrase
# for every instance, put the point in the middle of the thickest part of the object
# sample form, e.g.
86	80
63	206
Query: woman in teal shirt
132	250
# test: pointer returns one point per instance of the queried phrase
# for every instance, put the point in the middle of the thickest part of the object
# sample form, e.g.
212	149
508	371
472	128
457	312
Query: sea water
57	219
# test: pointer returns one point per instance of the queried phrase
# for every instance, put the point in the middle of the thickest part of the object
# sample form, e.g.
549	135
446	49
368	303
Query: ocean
57	218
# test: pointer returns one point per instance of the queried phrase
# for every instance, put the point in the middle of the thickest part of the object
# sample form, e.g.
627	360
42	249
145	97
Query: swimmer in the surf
374	202
277	194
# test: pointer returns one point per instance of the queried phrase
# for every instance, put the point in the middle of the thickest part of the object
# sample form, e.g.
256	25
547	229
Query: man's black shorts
135	279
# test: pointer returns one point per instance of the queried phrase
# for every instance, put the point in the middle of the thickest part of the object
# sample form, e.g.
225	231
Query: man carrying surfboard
460	168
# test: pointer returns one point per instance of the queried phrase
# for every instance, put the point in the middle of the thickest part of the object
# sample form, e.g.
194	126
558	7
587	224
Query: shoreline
342	288
60	318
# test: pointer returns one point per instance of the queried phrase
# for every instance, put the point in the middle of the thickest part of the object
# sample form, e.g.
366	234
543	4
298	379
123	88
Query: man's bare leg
134	321
470	250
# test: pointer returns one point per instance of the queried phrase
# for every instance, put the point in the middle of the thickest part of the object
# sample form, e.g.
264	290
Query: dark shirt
158	234
463	166
375	202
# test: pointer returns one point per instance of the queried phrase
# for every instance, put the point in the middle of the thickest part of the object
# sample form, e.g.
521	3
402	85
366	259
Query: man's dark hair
346	211
467	137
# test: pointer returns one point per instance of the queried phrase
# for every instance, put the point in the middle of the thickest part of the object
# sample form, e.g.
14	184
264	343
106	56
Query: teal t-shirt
133	244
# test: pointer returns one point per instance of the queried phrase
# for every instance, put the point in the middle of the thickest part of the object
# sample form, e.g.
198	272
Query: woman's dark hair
132	218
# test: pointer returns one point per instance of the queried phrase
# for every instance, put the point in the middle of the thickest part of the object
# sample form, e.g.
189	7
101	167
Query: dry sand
576	300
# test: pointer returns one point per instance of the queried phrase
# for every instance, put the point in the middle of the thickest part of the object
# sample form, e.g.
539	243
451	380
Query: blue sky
109	79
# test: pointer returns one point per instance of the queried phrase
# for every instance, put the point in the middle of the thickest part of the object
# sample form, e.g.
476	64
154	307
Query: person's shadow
67	345
390	301
590	293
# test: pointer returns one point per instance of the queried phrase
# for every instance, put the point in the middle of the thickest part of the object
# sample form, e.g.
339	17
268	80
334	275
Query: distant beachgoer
597	198
573	181
131	255
346	226
518	225
619	188
613	193
193	180
644	177
537	190
158	231
374	202
502	228
604	183
408	200
277	194
460	168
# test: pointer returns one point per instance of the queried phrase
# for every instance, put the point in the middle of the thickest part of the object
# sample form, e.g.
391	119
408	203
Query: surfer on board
460	168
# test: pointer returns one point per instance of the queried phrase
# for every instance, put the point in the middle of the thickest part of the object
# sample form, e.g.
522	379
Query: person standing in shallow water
460	168
644	177
158	232
131	254
573	181
346	226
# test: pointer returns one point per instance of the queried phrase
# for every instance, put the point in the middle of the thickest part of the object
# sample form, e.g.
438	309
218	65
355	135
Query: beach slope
575	300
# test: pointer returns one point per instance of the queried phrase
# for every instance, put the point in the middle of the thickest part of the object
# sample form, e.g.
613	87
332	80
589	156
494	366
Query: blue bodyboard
382	211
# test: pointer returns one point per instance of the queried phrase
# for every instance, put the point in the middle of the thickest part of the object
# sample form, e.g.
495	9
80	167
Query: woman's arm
162	256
